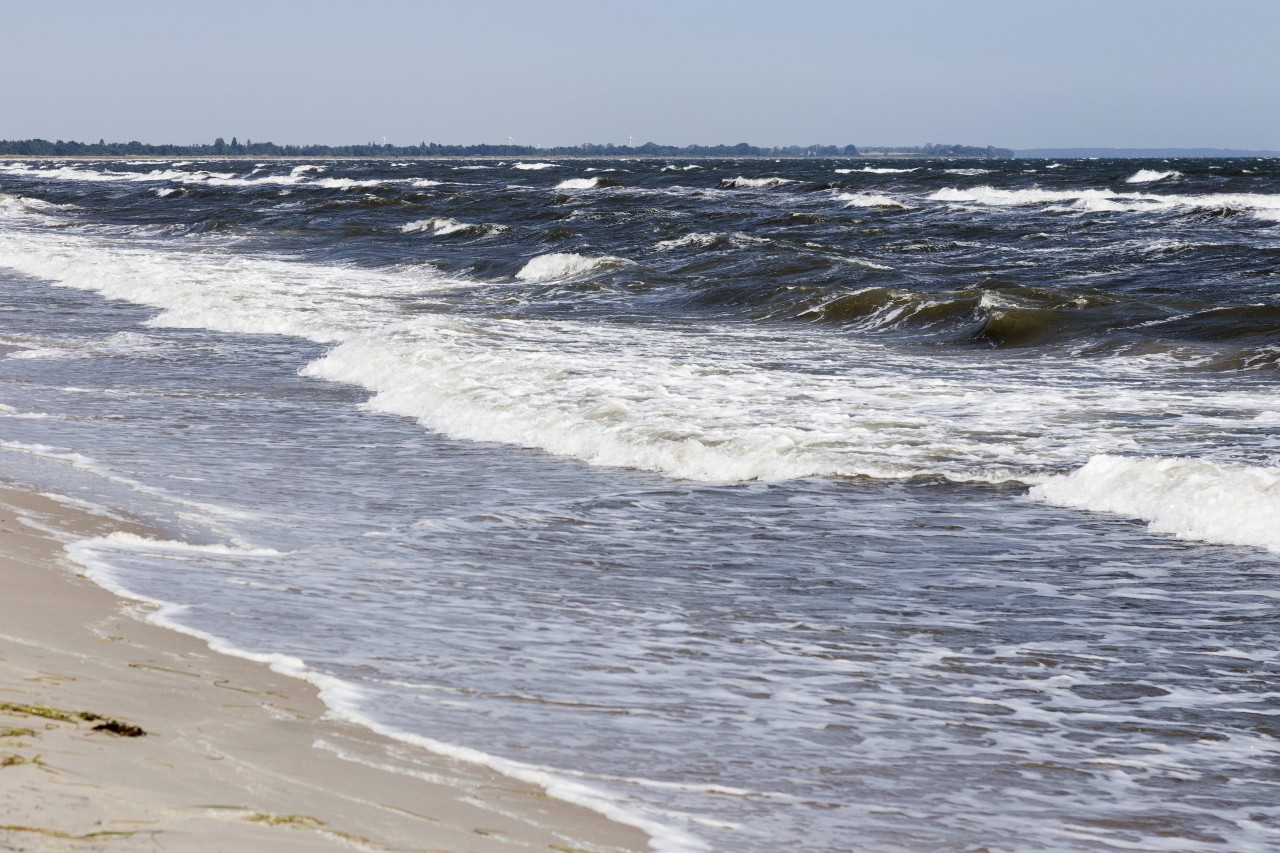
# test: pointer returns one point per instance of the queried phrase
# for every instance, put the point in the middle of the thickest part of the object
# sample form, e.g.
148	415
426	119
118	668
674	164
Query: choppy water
824	505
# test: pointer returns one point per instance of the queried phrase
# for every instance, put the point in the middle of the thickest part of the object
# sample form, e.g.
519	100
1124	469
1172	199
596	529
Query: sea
806	504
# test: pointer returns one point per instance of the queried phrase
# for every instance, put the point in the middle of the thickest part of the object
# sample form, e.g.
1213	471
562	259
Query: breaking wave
1263	206
563	265
441	226
1187	498
868	200
579	184
1148	176
742	183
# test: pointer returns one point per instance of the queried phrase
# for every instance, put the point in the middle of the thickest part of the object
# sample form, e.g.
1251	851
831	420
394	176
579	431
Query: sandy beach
234	755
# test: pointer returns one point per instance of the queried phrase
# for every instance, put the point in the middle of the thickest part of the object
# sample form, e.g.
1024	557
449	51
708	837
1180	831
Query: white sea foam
439	225
868	200
31	208
1188	498
1147	176
578	184
754	182
218	179
535	166
346	183
695	239
886	170
224	292
698	406
969	172
1261	205
304	169
995	197
562	265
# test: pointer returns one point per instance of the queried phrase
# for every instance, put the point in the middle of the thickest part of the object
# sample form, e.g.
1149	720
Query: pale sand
236	757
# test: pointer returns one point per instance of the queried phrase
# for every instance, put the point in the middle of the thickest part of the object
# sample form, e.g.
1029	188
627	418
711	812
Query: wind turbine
630	140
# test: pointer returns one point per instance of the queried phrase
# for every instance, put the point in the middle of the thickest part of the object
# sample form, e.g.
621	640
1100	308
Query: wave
969	172
694	239
558	266
77	173
1262	206
701	404
877	170
868	200
1001	197
535	166
1187	498
295	178
441	226
579	184
347	183
18	206
1147	176
741	182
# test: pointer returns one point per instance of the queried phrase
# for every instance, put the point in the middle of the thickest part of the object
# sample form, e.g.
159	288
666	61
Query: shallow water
760	507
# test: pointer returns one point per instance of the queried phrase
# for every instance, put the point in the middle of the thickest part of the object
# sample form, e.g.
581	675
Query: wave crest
579	184
443	225
868	200
1188	498
558	266
1147	176
746	183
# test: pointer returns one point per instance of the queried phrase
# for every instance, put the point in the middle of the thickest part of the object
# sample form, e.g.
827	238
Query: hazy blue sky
1021	74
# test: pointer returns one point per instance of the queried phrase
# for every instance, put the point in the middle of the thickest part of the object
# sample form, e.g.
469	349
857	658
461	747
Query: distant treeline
221	148
936	150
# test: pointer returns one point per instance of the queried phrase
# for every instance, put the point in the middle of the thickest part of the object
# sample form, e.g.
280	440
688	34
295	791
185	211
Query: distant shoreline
1033	154
1138	153
486	158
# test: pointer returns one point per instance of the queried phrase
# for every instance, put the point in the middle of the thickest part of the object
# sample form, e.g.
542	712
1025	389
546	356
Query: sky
1010	73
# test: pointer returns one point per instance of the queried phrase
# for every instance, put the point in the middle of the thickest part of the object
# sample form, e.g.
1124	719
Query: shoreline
235	755
488	158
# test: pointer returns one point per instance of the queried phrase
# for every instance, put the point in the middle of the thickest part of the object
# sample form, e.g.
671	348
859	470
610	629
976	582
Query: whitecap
695	239
868	200
1147	176
578	184
562	265
442	225
754	182
1186	497
437	226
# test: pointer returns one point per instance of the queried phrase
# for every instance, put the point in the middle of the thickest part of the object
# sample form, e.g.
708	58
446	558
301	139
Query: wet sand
234	756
